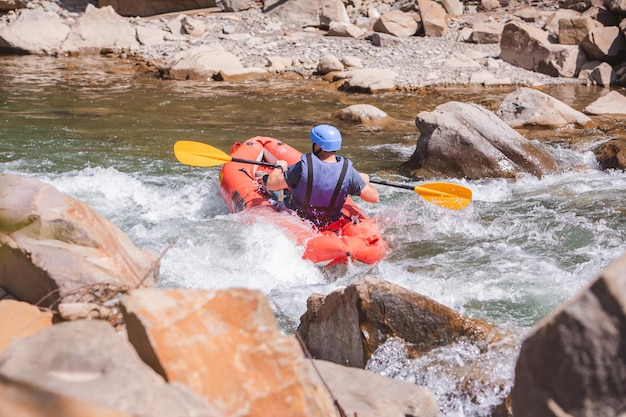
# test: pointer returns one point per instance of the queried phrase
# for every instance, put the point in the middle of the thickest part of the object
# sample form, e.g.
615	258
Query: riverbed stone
19	319
151	7
35	32
611	154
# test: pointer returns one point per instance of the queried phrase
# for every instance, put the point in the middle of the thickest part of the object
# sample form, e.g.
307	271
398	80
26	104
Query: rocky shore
465	48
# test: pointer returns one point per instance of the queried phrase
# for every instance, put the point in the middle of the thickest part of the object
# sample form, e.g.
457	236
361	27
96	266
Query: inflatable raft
355	237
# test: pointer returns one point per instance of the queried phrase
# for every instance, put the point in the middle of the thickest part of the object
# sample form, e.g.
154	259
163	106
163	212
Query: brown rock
19	319
225	346
348	325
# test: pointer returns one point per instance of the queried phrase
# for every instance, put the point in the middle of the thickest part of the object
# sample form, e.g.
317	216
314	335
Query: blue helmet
326	137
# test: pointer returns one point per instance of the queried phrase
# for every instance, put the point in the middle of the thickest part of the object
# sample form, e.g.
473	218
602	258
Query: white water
518	251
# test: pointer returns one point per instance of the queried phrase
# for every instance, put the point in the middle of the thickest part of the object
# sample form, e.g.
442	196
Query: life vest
331	183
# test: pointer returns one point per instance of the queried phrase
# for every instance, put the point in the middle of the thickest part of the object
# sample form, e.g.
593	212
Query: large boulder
529	107
226	346
200	63
98	29
347	326
573	363
88	361
34	32
303	13
466	140
55	248
530	48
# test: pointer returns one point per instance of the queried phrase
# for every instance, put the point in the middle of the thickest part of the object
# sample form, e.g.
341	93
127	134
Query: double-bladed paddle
443	194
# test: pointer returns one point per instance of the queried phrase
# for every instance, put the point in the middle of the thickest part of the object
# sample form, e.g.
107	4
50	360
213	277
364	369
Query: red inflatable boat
354	238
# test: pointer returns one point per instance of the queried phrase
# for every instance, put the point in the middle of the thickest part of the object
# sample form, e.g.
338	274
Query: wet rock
611	154
361	113
348	325
468	141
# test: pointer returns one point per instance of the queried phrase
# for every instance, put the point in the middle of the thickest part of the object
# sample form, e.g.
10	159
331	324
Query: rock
468	141
151	7
529	47
200	63
303	13
598	73
396	23
610	103
369	81
361	113
604	43
348	325
573	361
611	154
225	345
530	107
97	29
88	361
35	32
55	248
433	17
365	394
19	319
25	400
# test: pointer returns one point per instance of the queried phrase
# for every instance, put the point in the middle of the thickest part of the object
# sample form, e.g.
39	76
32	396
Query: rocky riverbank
251	43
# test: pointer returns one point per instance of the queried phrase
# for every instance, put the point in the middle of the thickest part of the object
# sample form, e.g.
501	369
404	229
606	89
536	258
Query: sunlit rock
364	394
97	29
611	103
433	18
465	140
226	346
361	113
530	48
34	32
55	248
200	63
88	361
396	23
348	325
19	319
573	362
530	107
369	80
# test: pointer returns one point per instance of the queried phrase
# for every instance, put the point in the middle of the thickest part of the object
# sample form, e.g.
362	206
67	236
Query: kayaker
321	181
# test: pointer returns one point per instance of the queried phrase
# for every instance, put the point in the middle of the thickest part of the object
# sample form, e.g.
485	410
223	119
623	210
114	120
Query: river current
105	135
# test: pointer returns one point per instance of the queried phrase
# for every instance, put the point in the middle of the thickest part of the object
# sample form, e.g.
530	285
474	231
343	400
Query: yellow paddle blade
452	196
199	154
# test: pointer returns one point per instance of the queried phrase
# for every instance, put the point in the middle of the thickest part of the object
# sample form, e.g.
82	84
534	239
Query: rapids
521	248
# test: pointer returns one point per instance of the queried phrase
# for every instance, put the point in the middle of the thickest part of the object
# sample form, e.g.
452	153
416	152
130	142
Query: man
321	181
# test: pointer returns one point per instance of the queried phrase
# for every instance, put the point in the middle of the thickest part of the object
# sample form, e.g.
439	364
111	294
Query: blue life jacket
331	184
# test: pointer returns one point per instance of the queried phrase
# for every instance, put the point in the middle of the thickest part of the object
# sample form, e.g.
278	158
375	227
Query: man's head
327	137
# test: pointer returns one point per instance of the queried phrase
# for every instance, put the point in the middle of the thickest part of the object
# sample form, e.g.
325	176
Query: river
105	134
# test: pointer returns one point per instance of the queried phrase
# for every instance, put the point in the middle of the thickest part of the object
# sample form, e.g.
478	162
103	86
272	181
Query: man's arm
276	178
369	193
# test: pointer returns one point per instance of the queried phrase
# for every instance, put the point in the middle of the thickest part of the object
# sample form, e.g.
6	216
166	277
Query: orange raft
355	237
